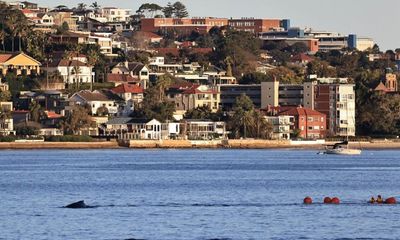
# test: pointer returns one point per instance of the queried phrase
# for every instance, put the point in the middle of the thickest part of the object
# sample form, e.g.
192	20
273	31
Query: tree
168	10
179	10
81	7
5	96
254	78
63	28
35	111
95	6
149	9
76	119
2	41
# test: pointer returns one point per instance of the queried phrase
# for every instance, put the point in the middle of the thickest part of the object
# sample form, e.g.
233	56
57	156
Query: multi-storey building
113	14
255	26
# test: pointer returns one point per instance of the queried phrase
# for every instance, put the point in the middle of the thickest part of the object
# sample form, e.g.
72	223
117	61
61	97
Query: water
196	194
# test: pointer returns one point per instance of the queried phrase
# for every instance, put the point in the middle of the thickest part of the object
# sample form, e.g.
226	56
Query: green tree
168	10
5	96
81	7
76	119
180	10
35	111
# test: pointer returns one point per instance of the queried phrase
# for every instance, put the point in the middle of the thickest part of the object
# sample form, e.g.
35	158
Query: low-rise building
132	95
72	71
6	119
19	63
203	129
134	69
113	14
95	100
282	126
190	96
310	123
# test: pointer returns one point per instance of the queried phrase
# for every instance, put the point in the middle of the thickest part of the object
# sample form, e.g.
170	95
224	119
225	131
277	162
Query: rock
80	204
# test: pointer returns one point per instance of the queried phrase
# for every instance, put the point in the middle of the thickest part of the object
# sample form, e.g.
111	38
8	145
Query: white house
94	100
281	126
113	14
6	124
131	94
135	70
72	71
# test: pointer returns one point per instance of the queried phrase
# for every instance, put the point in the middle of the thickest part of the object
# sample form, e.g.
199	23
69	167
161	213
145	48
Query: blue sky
372	18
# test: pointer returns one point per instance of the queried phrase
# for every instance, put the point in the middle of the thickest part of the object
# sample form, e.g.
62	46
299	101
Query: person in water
379	199
372	200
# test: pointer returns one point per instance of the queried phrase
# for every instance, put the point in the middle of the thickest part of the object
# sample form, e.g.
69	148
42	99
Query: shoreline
184	144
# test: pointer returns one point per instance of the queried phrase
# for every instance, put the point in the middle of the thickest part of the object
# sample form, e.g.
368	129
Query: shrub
69	138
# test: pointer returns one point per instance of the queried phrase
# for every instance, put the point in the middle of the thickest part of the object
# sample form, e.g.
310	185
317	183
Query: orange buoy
335	200
307	200
391	200
327	200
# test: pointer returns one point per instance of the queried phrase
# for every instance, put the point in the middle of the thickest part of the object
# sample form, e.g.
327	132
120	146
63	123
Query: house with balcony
135	70
195	129
281	126
189	96
19	63
71	70
6	119
131	94
309	123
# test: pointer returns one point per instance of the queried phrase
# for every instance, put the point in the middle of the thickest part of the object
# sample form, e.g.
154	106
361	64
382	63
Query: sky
368	18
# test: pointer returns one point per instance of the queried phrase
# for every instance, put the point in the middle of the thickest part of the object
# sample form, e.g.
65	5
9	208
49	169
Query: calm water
196	194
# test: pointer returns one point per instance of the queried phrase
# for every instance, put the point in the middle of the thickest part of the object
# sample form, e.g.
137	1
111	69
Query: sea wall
58	145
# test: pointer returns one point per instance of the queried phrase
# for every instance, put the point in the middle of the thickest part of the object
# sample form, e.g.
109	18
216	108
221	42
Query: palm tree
81	6
12	22
95	7
93	57
2	36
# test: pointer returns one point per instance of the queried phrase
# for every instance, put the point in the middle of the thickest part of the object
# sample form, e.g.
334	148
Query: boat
342	149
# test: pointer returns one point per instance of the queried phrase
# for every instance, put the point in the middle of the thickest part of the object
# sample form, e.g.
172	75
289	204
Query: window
310	119
310	128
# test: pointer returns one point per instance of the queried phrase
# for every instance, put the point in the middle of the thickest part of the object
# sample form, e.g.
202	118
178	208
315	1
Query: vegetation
76	119
246	121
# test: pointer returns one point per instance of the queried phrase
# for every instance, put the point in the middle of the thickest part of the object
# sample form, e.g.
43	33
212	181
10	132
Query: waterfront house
281	126
309	124
195	129
6	119
19	63
133	128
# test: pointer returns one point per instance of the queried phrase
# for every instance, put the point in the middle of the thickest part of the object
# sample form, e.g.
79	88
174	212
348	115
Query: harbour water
196	194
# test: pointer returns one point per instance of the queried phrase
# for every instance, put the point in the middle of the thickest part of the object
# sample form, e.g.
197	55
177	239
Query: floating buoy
391	200
327	200
335	200
307	200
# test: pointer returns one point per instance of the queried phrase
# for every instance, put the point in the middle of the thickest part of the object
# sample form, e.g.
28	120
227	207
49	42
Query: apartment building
255	26
113	14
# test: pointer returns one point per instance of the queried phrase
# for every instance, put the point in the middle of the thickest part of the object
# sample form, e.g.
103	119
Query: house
72	71
309	123
147	37
19	63
118	79
98	102
203	129
132	95
64	16
301	59
44	22
6	119
190	96
49	100
134	69
50	124
132	128
70	37
113	14
281	126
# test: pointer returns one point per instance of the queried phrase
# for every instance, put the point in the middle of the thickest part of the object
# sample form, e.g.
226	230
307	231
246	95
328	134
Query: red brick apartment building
312	124
204	25
183	25
255	26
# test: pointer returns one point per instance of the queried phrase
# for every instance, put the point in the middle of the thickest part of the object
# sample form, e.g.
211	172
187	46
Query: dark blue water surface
196	194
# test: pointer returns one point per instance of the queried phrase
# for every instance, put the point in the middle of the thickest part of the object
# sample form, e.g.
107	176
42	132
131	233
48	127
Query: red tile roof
121	78
127	88
300	111
302	57
5	57
195	90
53	115
148	34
